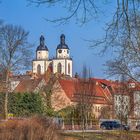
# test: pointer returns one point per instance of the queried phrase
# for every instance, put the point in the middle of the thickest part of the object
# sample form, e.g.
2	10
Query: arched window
38	69
50	67
69	68
59	68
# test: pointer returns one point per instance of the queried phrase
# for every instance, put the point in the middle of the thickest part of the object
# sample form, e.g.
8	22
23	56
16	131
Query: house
134	87
65	94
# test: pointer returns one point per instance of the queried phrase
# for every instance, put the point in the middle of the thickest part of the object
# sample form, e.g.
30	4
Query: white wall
71	67
137	104
13	84
36	63
42	55
121	104
64	63
64	54
55	63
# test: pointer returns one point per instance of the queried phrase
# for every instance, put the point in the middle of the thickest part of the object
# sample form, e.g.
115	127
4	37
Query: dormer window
132	85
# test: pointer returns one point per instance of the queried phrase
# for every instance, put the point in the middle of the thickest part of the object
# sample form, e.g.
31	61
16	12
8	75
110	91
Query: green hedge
23	104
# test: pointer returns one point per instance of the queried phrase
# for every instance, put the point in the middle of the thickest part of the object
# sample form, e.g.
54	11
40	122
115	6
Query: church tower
42	52
42	56
63	63
62	50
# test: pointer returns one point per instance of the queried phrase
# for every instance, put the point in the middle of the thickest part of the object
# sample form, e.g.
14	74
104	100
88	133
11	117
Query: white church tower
42	57
62	63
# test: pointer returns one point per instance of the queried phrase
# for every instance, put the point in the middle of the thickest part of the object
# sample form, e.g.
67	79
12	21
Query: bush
28	129
25	104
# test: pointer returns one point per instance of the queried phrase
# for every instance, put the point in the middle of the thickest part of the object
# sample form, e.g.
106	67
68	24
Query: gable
59	99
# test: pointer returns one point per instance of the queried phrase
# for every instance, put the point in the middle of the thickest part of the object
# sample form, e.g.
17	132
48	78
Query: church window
67	51
38	69
59	68
69	68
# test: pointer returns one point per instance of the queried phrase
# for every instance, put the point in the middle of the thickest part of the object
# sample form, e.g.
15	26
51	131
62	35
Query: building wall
121	104
42	55
65	53
96	109
71	67
40	85
59	99
137	104
47	64
64	63
41	63
55	64
13	85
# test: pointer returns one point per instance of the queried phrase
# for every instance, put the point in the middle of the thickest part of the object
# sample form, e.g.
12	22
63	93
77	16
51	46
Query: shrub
25	104
34	128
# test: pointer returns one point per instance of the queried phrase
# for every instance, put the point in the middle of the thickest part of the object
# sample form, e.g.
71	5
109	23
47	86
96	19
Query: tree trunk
6	97
91	123
72	124
6	106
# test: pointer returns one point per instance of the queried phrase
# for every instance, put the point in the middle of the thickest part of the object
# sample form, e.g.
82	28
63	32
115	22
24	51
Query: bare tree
127	53
84	94
14	54
122	100
122	34
82	10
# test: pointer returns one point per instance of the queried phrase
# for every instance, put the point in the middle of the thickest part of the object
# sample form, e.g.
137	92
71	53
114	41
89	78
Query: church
61	63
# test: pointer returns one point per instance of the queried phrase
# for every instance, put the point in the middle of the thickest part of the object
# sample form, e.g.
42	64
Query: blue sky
31	18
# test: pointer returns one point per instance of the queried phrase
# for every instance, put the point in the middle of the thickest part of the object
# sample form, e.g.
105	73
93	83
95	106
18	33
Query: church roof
42	45
62	44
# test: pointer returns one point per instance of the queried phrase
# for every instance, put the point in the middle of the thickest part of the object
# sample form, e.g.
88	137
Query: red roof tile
99	95
27	85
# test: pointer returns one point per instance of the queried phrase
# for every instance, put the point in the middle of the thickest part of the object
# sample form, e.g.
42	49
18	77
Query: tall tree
122	34
84	94
14	54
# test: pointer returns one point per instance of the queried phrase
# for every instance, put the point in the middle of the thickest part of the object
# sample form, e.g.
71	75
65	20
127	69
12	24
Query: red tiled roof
106	82
100	95
68	87
27	85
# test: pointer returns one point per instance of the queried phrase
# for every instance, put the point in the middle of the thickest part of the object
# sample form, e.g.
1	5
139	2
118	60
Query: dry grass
116	135
28	129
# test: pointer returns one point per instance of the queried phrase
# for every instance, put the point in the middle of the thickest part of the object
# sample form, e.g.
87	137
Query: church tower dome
62	50
42	51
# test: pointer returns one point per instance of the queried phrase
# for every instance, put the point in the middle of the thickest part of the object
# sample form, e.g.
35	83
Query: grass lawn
112	135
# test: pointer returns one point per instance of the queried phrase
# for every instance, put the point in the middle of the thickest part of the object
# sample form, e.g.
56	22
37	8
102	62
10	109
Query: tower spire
62	39
42	40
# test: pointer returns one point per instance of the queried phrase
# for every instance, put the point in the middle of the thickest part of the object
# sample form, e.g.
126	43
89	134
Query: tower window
38	69
60	51
59	68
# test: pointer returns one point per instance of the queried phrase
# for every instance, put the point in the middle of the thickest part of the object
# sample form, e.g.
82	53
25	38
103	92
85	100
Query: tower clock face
60	51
